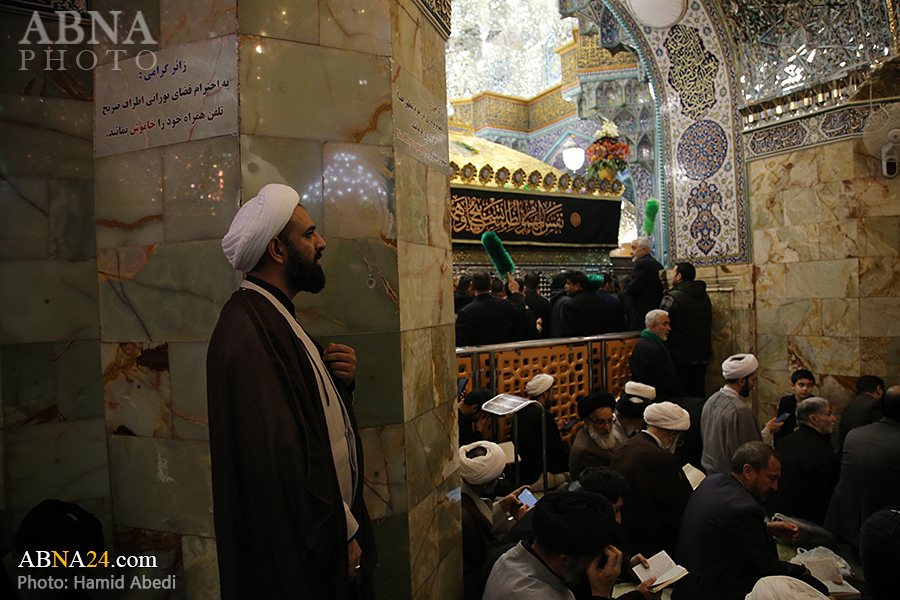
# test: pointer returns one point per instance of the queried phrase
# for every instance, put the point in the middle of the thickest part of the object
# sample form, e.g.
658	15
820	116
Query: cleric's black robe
281	531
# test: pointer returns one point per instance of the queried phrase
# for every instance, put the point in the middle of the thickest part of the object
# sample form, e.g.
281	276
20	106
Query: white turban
538	385
481	469
258	221
633	388
667	415
739	365
782	587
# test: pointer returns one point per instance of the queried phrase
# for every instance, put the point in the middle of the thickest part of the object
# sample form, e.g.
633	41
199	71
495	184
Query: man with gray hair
809	466
645	287
650	361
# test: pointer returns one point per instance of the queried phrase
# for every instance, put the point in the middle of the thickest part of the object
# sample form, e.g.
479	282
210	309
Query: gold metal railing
579	367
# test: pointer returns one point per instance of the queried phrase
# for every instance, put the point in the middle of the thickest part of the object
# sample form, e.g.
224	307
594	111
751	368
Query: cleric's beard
604	441
303	276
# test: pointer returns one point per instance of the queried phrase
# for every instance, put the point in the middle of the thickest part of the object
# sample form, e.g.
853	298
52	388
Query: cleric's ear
276	250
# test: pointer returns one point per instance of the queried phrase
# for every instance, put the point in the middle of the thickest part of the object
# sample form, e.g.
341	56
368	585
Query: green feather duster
650	216
499	256
595	282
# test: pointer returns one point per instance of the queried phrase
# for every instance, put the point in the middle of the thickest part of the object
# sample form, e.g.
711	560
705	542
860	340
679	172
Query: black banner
522	218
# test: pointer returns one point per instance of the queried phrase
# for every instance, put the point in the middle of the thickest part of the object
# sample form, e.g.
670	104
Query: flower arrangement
607	152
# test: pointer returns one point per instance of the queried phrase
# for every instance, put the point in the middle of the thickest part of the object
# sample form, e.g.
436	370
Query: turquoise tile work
161	485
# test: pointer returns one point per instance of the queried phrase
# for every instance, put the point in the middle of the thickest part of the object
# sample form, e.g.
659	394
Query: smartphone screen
782	417
461	385
527	498
570	424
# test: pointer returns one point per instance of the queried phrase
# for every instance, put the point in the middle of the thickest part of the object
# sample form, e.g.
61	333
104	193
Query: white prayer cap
667	415
633	388
481	469
782	587
258	221
539	384
739	365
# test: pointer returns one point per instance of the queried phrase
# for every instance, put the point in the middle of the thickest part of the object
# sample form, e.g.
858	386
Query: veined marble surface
137	389
128	199
186	21
429	458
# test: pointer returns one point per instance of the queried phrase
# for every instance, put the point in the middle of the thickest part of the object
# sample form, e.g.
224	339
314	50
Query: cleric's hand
341	361
785	531
603	579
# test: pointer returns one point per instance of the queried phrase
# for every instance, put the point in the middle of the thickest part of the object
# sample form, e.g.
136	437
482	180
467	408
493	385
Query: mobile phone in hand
568	426
782	417
527	498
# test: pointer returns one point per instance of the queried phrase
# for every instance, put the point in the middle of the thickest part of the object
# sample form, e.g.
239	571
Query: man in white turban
484	521
727	421
286	461
630	410
659	487
531	466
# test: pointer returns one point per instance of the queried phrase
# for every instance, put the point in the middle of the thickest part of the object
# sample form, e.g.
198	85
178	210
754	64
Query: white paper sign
169	96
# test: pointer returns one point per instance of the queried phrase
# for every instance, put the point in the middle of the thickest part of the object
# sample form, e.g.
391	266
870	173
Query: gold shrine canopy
526	201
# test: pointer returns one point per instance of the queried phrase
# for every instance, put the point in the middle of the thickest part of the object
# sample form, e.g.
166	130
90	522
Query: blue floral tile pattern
702	149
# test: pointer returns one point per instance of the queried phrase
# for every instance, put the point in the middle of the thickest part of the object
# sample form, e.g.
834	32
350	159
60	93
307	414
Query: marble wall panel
137	389
355	107
185	21
878	317
360	25
426	286
362	297
171	292
450	574
840	317
418	373
149	9
786	244
879	236
770	387
162	485
448	511
837	356
808	280
835	161
201	568
25	226
187	375
430	458
839	389
771	280
877	196
438	200
443	360
378	392
801	206
411	180
802	169
879	276
767	212
46	137
51	381
166	548
297	163
295	20
385	472
358	194
792	317
56	460
434	59
407	36
72	219
48	300
128	199
838	200
424	548
838	239
201	188
879	356
771	351
392	576
766	177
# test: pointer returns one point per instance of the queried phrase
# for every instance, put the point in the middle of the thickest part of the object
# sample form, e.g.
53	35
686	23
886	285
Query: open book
663	568
826	570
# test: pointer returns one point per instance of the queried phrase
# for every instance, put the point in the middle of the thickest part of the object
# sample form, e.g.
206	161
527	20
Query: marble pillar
112	274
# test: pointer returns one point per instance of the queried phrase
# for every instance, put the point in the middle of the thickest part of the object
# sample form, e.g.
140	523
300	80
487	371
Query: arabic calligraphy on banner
520	218
188	93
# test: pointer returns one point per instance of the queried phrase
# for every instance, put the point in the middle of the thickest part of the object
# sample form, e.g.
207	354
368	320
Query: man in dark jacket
724	542
584	314
690	341
539	305
558	297
810	467
865	408
462	292
870	472
650	360
615	312
488	320
645	288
